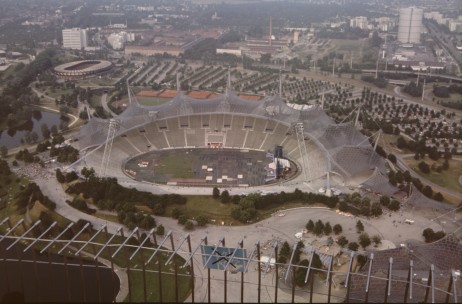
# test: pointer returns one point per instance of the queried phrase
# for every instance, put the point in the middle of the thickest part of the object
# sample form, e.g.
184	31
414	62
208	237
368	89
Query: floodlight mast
112	129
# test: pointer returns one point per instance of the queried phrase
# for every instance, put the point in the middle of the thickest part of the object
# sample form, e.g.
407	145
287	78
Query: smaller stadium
82	69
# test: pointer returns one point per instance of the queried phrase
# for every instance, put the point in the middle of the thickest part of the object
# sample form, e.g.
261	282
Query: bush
432	236
182	219
225	198
188	225
176	212
337	228
160	230
215	193
202	220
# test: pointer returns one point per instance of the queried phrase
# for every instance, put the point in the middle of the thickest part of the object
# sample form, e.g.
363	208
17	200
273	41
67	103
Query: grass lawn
207	206
56	93
178	167
218	212
105	216
151	101
448	179
344	45
95	100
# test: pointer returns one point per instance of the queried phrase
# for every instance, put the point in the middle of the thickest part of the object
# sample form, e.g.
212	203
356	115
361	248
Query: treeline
16	96
413	89
404	180
379	81
443	91
108	194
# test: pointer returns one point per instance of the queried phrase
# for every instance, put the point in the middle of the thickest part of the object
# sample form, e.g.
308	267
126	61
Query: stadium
318	151
82	69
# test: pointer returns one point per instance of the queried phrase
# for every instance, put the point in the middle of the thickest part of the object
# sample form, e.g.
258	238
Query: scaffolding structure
387	276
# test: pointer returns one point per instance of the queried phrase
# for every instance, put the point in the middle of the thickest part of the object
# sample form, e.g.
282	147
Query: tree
3	151
60	176
377	240
285	249
216	193
176	212
342	241
384	201
438	197
359	226
54	130
364	240
310	225
300	273
424	167
327	229
225	198
353	246
392	158
265	58
427	191
337	229
394	205
45	131
318	228
160	230
376	209
147	222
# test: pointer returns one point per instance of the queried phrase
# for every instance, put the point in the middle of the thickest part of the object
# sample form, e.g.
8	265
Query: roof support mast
113	124
302	148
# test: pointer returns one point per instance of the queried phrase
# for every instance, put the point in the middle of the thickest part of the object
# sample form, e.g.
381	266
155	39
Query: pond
12	137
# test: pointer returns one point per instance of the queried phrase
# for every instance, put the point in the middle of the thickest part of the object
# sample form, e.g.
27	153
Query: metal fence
255	280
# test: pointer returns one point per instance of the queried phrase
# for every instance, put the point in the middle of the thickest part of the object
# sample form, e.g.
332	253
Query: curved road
105	105
389	227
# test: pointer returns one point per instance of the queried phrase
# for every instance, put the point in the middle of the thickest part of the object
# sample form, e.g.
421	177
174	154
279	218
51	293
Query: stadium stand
241	124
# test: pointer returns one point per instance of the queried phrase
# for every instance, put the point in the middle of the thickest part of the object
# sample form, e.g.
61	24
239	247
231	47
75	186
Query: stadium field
200	167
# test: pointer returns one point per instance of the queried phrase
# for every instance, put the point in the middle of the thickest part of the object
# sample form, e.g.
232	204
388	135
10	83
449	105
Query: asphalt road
390	227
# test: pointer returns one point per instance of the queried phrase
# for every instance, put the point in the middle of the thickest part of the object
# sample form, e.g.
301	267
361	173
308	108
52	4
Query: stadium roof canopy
348	149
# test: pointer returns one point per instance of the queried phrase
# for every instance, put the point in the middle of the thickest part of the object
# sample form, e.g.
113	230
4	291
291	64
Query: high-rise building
359	22
74	38
410	25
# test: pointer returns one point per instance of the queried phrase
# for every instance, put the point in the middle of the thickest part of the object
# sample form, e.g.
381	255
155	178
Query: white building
410	25
75	38
360	22
117	40
455	25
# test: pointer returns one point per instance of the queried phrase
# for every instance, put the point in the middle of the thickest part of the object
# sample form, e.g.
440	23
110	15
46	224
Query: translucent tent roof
349	150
